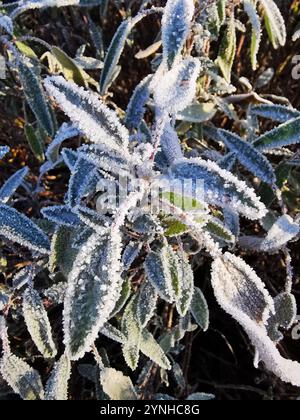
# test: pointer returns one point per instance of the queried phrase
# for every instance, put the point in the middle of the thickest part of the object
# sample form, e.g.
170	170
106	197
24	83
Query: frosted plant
150	194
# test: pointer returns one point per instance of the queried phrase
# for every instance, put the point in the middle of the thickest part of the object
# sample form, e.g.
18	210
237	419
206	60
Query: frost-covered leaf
232	221
22	378
151	349
284	316
88	113
62	253
18	228
70	158
186	278
136	107
93	289
113	55
220	186
7	24
227	50
251	158
218	230
170	143
130	253
3	151
175	90
162	271
250	9
132	331
274	23
174	227
283	231
176	24
200	396
82	175
285	134
61	215
124	296
65	132
11	185
35	97
57	385
241	287
243	295
113	333
146	303
199	309
56	293
116	385
37	322
276	112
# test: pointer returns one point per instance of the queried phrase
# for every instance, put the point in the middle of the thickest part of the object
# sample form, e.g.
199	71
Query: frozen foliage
11	185
18	228
136	107
37	322
93	288
250	9
282	232
249	157
278	113
274	23
116	385
176	23
220	186
57	384
175	89
242	294
3	151
88	113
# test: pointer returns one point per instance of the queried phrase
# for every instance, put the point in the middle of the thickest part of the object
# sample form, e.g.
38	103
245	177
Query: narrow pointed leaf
57	384
113	55
37	323
176	24
284	135
36	97
279	113
18	228
12	184
88	113
250	157
227	50
199	309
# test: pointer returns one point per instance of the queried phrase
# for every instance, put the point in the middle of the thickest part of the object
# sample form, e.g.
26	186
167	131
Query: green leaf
217	229
37	322
150	348
174	227
198	112
199	309
250	9
274	23
227	50
132	332
285	134
284	316
116	385
35	97
69	68
124	296
62	254
186	278
34	141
